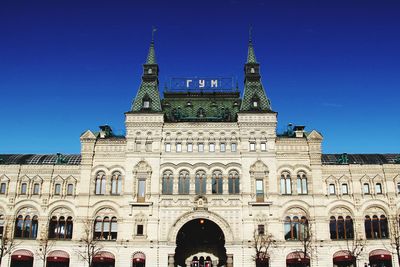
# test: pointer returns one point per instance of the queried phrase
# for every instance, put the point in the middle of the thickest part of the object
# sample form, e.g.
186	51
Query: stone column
229	260
171	261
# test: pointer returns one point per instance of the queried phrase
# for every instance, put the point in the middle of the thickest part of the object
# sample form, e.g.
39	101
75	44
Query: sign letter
202	83
214	83
188	83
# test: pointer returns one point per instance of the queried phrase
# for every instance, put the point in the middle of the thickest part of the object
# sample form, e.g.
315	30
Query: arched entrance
22	258
380	258
200	240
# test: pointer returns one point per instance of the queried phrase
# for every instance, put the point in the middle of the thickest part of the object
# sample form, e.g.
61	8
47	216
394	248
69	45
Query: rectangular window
398	188
70	189
366	189
200	147
263	146
233	147
36	189
167	147
23	189
259	190
378	188
3	188
138	146
222	147
252	146
149	146
139	229
141	190
345	190
189	147
331	189
211	147
178	147
57	189
261	229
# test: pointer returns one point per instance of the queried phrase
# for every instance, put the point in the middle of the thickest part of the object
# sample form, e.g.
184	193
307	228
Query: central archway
200	238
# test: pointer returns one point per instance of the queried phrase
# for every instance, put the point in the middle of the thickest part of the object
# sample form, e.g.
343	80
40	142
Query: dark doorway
19	263
200	235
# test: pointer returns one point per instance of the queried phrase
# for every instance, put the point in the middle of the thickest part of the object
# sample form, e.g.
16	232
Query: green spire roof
148	97
151	56
254	97
251	56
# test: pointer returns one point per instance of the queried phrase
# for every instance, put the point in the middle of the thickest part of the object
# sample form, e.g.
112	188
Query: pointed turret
148	96
254	96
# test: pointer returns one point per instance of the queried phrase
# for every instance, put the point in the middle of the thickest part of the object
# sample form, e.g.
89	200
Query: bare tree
7	240
307	242
90	245
45	245
262	243
394	235
356	246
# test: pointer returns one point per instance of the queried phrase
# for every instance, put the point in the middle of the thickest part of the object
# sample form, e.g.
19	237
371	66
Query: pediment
88	135
314	135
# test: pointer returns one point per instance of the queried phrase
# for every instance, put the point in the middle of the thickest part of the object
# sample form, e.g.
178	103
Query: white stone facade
141	155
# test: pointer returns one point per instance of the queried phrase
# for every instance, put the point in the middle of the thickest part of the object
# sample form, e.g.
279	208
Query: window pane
283	191
331	189
304	185
344	189
263	146
179	147
167	147
366	188
3	188
70	189
252	146
36	188
201	147
288	185
141	188
378	188
222	147
233	147
57	189
211	147
189	147
23	189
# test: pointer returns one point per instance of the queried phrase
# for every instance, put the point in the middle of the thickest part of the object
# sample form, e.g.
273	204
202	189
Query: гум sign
194	83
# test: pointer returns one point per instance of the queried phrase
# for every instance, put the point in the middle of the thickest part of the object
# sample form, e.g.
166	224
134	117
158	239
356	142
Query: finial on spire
154	29
250	30
251	57
151	56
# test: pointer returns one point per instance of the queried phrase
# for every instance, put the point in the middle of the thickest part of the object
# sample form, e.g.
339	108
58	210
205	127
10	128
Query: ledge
141	204
261	204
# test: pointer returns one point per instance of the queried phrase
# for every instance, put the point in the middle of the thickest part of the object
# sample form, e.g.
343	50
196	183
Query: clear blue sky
67	66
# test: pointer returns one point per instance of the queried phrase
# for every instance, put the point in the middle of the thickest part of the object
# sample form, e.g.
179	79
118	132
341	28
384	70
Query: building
199	178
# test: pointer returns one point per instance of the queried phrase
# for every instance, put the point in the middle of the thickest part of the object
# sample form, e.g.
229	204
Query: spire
151	56
251	56
148	96
254	97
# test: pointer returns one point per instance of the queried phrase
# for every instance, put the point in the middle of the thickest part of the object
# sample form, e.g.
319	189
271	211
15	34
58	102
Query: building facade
201	177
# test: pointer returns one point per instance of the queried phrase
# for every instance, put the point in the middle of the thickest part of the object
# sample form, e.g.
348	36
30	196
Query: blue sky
69	66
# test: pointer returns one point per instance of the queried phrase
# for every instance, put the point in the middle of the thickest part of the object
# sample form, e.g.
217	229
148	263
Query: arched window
216	182
59	228
184	182
167	182
100	183
105	229
376	227
341	228
286	184
302	184
296	228
3	188
233	182
26	227
116	183
200	182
